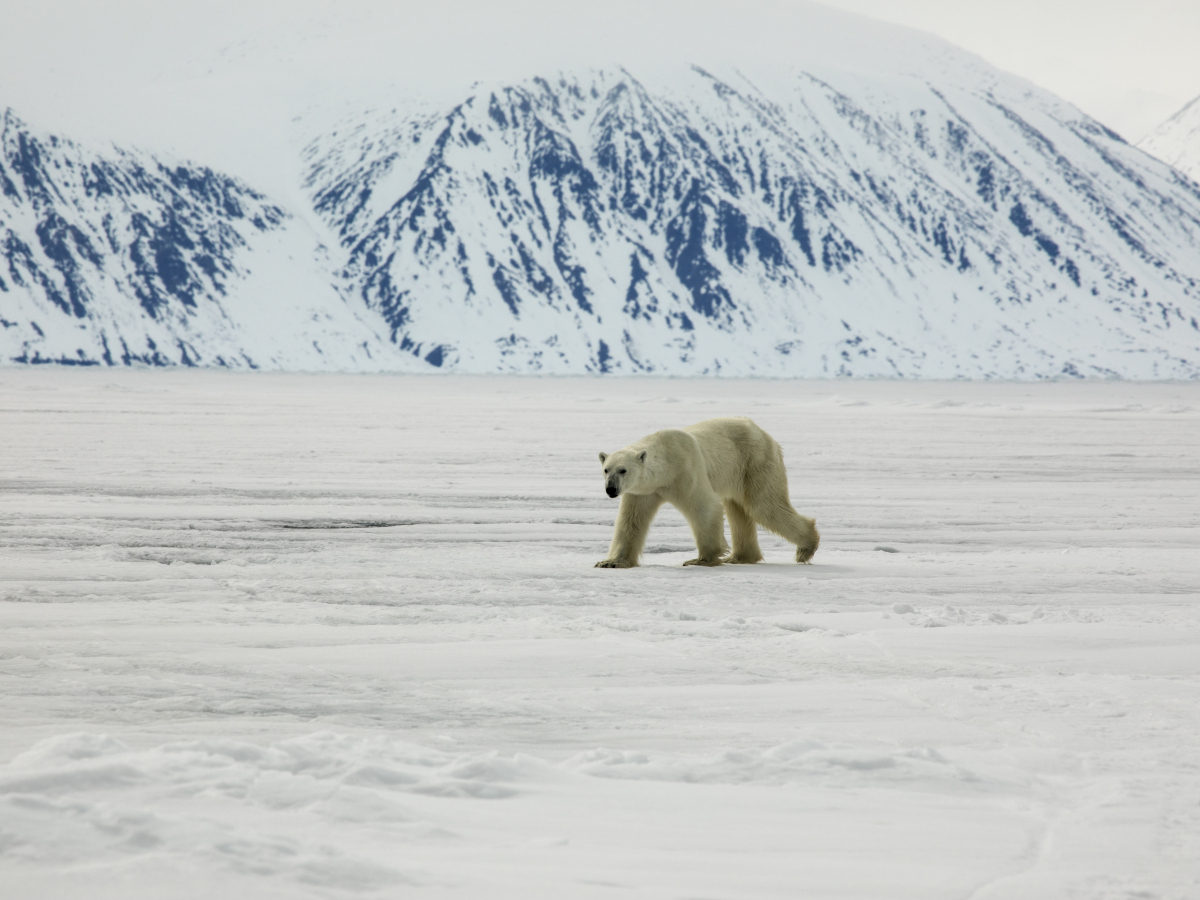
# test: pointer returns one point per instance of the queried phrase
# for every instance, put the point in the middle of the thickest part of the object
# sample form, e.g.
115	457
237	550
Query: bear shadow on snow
710	470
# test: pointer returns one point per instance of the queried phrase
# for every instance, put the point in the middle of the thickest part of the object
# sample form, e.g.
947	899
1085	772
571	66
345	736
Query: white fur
716	468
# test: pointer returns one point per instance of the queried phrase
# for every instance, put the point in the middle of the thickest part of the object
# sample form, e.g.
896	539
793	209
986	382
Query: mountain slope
1177	140
950	223
123	259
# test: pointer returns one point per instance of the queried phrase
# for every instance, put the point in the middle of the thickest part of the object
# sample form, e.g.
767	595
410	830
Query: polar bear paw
745	559
615	564
804	554
704	562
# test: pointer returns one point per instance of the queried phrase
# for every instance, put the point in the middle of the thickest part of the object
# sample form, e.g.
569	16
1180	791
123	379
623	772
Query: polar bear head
623	471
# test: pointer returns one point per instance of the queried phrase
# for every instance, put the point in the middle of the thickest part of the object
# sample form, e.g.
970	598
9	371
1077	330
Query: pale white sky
1129	63
140	70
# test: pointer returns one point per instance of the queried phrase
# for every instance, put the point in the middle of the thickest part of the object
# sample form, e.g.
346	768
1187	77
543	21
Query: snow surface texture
322	636
1177	140
885	205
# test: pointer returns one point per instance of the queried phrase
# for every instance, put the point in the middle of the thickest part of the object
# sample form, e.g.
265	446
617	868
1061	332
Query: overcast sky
1130	64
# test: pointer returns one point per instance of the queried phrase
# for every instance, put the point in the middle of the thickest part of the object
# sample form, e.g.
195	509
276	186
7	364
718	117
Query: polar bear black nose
611	490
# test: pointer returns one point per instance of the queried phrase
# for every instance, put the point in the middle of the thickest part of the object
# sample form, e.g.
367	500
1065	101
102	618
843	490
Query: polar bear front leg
707	519
629	535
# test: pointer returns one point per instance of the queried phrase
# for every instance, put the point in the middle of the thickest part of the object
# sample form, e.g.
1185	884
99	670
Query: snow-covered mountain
882	205
687	222
1177	140
121	258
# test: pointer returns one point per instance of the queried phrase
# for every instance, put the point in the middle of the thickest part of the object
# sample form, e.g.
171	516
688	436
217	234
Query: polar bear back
736	453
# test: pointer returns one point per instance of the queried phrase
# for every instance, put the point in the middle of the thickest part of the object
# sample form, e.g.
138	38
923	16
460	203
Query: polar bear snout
611	489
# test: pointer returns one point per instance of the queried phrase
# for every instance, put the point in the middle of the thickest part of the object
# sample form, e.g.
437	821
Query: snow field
325	636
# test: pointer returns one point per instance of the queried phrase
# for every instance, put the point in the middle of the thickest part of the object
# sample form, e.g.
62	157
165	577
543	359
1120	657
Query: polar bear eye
620	471
606	471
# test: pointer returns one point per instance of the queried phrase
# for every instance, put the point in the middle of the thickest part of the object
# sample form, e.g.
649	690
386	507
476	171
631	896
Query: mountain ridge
1177	140
690	246
119	257
881	212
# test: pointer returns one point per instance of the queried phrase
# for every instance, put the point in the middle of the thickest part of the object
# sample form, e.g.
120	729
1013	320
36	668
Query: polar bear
730	463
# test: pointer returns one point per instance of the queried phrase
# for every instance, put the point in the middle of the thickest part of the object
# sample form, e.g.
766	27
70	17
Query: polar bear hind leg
776	514
766	499
744	532
707	519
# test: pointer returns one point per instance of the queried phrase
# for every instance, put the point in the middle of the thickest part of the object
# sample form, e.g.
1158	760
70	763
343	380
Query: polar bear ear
642	456
603	457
